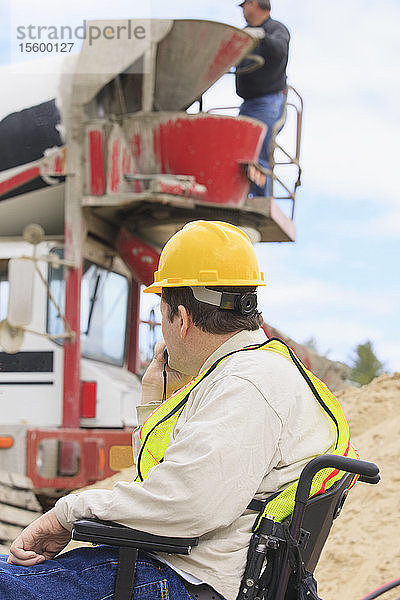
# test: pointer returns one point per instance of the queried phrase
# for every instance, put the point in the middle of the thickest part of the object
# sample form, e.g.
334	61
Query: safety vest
156	431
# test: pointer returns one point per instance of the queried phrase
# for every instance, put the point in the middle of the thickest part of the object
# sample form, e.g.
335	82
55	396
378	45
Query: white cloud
48	11
387	225
349	76
30	83
388	353
337	336
308	296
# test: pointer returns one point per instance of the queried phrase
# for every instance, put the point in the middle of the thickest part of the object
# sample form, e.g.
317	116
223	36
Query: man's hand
41	540
257	32
153	381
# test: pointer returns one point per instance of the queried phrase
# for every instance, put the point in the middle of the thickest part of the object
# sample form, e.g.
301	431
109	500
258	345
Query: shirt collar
236	342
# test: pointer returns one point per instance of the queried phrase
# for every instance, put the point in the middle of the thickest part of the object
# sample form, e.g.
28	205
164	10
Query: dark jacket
271	77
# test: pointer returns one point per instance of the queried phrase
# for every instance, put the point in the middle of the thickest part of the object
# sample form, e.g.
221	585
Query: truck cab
31	380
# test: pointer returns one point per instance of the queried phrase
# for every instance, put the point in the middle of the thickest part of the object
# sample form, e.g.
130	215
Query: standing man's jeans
88	574
267	109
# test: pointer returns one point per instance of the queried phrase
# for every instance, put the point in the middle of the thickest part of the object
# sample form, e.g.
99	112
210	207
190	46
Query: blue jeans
88	574
267	109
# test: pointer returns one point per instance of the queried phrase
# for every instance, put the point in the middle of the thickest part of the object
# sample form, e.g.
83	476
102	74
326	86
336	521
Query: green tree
366	365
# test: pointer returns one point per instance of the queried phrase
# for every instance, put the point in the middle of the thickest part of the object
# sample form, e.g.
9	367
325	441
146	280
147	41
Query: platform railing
294	102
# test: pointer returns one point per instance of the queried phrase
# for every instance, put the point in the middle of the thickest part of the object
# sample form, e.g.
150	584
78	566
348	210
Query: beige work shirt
246	431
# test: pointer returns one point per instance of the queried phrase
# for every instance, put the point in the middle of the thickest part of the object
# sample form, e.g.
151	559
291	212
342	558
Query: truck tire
18	507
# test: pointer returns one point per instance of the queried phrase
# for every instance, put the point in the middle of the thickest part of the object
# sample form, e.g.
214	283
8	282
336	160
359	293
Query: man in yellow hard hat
239	422
217	296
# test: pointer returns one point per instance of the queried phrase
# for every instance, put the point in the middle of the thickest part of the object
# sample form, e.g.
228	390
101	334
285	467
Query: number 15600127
46	46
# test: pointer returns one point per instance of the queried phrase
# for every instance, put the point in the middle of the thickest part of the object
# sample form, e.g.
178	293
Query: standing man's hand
41	540
257	32
153	379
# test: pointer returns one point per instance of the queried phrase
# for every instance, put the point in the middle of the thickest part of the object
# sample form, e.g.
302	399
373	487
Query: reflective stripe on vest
156	431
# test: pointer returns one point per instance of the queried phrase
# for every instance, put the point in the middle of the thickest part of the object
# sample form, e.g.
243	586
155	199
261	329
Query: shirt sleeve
276	41
210	472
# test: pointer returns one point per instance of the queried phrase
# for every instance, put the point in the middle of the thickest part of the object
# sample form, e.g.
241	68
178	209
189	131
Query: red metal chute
141	258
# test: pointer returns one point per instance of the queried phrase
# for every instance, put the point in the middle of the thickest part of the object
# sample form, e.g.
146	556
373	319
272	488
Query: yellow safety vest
156	431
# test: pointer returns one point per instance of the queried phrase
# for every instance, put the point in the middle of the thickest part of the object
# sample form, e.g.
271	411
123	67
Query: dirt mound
363	550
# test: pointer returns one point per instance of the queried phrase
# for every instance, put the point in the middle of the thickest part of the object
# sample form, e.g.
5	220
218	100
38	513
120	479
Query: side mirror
21	273
21	276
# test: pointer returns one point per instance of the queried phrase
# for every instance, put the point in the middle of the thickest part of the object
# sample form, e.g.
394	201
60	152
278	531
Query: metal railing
294	102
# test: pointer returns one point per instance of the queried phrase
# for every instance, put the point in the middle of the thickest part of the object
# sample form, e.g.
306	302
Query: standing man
264	89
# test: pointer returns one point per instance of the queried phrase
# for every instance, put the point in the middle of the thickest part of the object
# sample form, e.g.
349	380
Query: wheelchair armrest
114	534
374	480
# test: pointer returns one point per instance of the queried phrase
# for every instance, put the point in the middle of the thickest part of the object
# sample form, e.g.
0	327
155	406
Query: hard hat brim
152	289
157	286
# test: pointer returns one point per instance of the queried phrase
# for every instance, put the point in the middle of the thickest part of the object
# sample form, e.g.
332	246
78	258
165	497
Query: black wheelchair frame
281	556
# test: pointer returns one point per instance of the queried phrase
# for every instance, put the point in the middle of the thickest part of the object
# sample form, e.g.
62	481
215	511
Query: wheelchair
281	556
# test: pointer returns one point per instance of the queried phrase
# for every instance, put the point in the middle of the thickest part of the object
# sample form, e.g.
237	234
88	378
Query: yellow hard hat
207	253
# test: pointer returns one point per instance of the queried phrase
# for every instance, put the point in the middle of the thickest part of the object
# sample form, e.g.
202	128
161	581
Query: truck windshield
104	305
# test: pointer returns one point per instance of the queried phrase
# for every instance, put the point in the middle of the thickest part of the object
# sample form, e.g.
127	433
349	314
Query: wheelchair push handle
368	471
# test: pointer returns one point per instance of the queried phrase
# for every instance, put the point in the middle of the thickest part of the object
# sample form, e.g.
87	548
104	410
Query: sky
339	282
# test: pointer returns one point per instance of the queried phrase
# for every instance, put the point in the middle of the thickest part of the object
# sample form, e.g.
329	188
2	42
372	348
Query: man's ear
185	320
